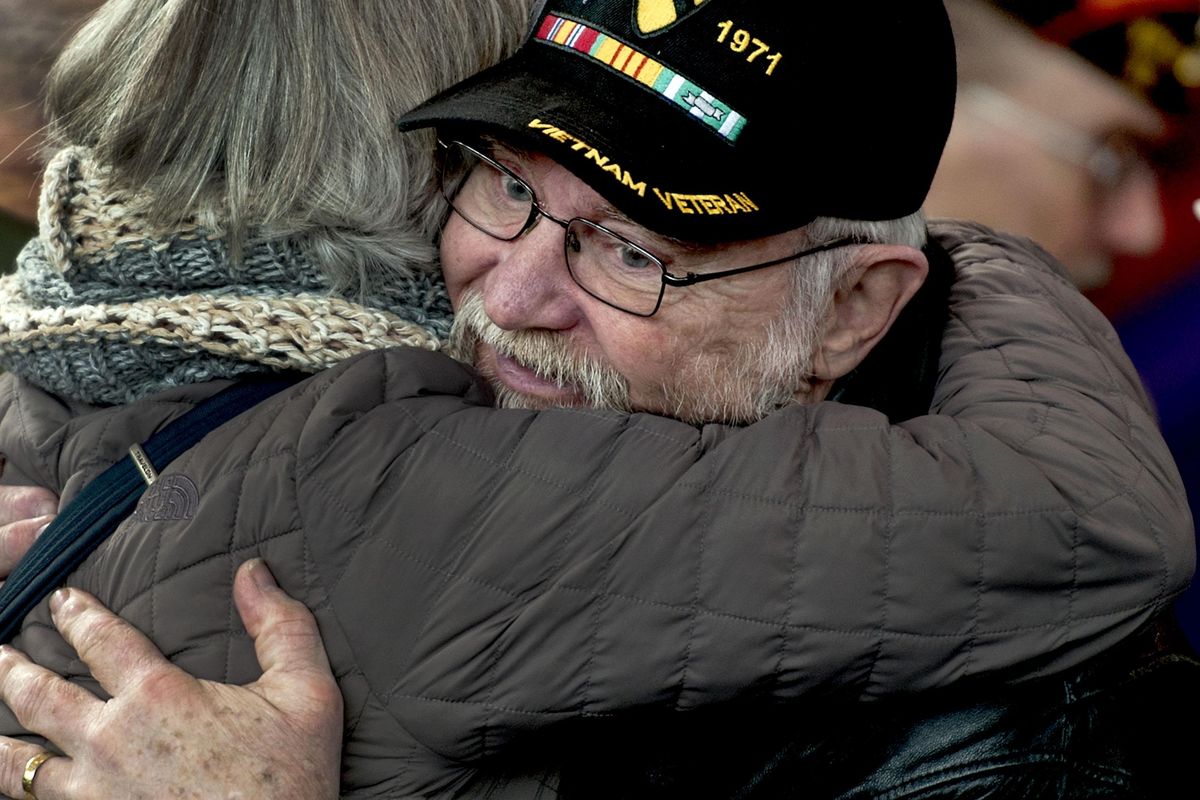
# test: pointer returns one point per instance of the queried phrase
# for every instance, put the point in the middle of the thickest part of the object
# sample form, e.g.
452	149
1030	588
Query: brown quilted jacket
480	573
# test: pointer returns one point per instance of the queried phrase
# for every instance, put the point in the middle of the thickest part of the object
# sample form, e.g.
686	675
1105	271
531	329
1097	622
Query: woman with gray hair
231	197
227	194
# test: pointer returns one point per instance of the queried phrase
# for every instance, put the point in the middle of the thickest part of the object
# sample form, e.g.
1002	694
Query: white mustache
548	355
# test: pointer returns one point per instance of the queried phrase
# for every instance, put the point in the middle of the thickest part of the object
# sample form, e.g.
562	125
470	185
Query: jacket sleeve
571	563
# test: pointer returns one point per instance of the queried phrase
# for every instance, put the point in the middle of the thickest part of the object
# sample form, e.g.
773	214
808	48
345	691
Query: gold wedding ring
31	768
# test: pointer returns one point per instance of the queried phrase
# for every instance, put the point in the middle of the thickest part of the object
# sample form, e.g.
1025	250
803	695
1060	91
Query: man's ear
875	290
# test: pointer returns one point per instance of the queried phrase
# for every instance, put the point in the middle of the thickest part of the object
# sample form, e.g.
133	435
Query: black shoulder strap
96	512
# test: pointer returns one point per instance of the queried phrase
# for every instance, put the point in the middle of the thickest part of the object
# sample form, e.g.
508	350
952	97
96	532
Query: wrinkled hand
167	734
24	511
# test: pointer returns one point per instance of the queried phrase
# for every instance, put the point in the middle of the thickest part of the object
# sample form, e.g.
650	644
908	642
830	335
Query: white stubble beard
758	378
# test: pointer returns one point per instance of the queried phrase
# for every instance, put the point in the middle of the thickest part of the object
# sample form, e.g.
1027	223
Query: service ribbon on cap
659	78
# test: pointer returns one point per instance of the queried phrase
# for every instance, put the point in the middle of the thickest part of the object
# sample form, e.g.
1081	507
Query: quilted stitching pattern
478	573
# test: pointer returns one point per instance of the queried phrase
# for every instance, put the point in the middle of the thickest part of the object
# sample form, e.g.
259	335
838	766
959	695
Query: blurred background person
1078	125
1048	142
31	34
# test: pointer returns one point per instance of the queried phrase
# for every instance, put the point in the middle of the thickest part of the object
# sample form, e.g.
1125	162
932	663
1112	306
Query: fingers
16	539
15	755
24	511
284	631
117	654
43	702
25	502
286	639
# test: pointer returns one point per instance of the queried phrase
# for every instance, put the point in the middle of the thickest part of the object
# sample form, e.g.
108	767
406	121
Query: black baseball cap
722	120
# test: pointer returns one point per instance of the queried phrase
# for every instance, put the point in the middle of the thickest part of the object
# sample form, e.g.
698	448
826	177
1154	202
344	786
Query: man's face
1018	161
524	321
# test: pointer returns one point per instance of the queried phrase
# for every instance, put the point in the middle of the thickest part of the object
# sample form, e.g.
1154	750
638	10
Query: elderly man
722	259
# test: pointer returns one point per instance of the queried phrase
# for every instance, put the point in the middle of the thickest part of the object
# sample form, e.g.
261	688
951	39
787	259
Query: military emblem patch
654	16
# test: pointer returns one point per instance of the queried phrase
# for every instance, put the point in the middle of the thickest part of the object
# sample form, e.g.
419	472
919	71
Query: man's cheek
459	263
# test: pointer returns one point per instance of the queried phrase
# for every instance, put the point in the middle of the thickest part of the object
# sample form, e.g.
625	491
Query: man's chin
510	398
532	369
730	413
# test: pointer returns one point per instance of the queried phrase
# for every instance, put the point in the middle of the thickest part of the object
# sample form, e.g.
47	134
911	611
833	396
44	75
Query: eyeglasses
1111	163
605	264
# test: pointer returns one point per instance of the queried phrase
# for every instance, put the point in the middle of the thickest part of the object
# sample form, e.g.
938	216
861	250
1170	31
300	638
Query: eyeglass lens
603	263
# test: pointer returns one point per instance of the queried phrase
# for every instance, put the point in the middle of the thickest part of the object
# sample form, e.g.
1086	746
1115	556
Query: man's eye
514	189
632	258
573	243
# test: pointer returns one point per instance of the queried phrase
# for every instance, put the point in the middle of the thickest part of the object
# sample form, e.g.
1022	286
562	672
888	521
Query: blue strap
97	510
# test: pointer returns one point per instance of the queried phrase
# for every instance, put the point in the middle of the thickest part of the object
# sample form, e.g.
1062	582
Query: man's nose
1131	220
530	287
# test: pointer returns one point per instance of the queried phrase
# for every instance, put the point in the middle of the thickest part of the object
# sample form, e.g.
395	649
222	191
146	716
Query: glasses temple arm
692	278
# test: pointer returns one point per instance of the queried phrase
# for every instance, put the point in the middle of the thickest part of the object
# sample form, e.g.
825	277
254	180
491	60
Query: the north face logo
652	16
169	499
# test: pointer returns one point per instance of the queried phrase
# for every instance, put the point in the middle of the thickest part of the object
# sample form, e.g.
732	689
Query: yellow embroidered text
591	154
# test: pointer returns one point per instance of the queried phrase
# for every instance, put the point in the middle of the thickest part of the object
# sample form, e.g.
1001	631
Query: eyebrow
491	144
606	210
611	212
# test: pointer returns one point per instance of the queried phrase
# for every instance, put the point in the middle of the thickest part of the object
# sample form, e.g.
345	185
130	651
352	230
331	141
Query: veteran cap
720	120
1153	46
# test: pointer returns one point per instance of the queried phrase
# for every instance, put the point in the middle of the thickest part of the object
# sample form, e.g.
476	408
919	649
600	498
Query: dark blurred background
31	34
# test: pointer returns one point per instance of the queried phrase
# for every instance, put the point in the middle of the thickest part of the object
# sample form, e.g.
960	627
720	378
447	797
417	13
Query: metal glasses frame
536	211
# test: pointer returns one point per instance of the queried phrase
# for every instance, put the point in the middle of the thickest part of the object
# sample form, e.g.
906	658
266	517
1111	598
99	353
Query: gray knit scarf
105	309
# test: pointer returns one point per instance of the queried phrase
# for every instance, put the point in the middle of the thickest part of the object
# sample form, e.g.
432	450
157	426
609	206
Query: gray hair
818	279
821	275
776	370
277	117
